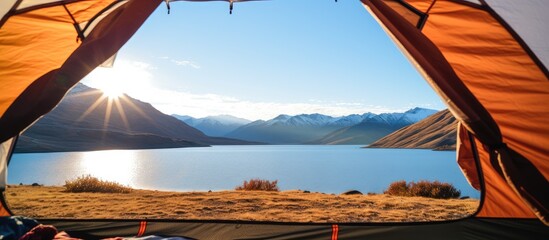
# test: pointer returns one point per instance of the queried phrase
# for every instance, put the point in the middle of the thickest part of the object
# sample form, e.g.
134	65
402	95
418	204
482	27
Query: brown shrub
398	188
423	188
259	185
87	183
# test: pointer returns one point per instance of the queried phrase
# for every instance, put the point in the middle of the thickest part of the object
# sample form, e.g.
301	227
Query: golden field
285	206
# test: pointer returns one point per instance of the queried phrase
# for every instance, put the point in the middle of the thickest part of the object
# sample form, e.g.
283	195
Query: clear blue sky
267	58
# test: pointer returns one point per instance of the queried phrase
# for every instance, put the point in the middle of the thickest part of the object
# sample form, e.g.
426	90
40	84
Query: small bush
87	183
434	189
259	185
429	189
398	188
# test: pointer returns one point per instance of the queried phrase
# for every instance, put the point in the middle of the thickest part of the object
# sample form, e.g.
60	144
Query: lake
322	168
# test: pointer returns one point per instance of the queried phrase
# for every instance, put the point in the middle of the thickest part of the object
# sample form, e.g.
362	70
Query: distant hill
374	127
216	126
322	129
365	132
285	129
46	139
435	132
86	120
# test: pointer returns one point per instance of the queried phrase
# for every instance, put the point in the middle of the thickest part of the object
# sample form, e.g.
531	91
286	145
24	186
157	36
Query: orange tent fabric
492	83
39	41
48	48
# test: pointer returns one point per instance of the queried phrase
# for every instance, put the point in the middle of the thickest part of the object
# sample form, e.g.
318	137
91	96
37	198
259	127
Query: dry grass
428	189
92	184
284	206
258	185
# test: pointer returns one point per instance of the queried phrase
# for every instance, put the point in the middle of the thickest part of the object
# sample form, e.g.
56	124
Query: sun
125	79
112	91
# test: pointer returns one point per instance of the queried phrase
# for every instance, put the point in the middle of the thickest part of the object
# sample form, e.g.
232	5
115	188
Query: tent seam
92	19
45	5
469	4
517	38
10	13
480	174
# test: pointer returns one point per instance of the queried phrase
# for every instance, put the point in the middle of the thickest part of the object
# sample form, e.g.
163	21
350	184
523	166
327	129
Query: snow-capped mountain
215	126
316	119
417	114
301	120
374	127
406	118
313	128
352	119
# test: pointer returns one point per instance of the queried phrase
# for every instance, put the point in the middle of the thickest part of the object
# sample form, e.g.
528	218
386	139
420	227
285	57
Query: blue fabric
14	227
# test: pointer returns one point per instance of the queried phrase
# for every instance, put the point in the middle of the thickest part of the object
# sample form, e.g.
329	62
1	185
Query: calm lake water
329	169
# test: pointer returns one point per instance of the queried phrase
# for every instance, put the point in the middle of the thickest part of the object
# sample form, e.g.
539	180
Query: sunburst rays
112	104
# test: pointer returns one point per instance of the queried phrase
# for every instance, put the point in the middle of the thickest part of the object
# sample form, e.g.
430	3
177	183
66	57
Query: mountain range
435	132
375	127
87	120
323	129
216	126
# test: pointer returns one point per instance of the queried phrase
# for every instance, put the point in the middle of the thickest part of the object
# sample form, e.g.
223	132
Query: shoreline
361	146
285	206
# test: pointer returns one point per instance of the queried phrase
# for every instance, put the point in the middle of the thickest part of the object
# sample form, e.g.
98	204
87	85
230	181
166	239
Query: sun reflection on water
112	165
